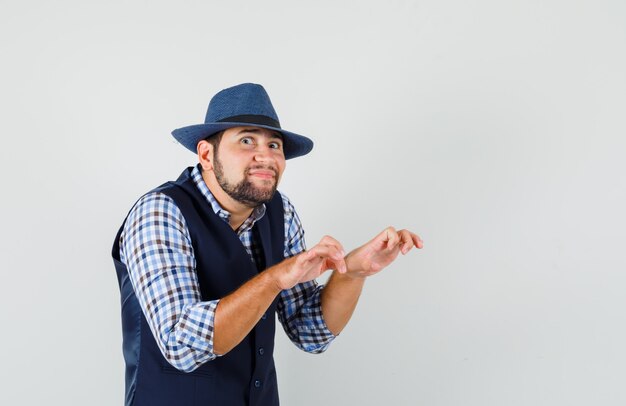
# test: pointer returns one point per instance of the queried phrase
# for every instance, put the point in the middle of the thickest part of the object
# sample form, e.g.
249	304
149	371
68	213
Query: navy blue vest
245	375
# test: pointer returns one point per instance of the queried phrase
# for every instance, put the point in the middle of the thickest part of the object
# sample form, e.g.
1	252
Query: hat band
251	119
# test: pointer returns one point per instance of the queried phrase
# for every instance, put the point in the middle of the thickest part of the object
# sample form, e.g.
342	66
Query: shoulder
151	202
154	219
155	208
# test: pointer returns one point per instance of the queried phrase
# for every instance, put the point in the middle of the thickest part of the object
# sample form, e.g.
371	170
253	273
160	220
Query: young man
206	261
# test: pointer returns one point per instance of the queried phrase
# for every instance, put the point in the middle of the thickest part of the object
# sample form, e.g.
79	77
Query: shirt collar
255	216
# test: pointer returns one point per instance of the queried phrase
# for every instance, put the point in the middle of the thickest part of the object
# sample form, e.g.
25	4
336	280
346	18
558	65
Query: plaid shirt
155	246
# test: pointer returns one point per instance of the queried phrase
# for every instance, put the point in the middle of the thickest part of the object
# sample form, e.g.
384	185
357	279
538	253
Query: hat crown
247	104
240	100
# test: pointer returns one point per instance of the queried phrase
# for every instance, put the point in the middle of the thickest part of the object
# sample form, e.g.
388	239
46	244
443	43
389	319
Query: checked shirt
156	248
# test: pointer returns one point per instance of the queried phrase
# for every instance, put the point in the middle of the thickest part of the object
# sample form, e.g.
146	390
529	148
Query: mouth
262	173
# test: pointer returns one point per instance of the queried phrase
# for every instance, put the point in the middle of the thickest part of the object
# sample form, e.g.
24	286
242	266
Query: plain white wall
493	129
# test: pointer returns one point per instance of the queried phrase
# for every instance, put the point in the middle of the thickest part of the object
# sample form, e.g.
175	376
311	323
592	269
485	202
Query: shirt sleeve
300	308
156	248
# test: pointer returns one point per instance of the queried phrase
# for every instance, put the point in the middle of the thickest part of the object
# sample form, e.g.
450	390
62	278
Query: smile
263	174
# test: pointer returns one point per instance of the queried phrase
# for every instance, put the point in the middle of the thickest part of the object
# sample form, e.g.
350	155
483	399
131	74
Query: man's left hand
381	251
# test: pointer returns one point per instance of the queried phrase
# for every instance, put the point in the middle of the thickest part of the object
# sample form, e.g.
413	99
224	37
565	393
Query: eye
246	140
275	145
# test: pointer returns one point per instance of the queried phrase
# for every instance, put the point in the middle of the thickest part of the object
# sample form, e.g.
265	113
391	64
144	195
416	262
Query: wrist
274	278
353	266
350	276
277	273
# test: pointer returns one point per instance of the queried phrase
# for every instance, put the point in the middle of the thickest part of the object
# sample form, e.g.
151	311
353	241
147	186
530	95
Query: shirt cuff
196	327
311	327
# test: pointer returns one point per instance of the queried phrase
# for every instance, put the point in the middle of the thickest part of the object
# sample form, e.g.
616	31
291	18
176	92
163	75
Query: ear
205	155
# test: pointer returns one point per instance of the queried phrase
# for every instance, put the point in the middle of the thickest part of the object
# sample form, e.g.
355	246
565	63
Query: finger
328	240
308	256
385	237
330	255
327	251
338	265
417	240
406	241
392	238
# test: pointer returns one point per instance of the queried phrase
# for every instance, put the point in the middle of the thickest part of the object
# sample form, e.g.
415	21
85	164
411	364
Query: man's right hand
326	255
237	313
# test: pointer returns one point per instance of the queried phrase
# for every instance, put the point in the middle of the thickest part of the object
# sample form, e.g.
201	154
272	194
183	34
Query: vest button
257	384
261	351
264	316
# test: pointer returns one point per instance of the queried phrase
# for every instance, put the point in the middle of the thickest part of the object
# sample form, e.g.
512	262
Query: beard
245	192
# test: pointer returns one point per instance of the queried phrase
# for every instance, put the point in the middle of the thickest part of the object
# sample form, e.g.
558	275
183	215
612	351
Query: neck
239	212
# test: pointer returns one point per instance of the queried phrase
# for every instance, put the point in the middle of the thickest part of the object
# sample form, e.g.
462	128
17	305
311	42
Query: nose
263	153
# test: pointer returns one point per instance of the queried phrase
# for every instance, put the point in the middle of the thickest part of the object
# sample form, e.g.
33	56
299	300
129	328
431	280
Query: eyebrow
274	134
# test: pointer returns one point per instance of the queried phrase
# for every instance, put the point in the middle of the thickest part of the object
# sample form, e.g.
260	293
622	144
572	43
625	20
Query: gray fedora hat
247	104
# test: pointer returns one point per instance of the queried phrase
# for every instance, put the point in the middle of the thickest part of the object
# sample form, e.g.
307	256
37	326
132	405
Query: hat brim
294	145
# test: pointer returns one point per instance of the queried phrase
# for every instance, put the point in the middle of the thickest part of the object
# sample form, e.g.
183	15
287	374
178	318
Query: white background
493	129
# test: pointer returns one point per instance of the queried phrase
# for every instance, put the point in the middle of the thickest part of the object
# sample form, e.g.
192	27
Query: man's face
248	164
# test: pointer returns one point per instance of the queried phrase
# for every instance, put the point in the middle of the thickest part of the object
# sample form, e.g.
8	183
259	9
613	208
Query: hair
214	139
